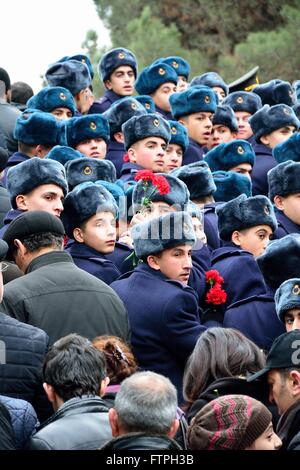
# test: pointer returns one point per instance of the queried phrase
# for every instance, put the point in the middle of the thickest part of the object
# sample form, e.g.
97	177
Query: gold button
266	210
296	289
93	126
174	130
156	122
175	64
207	99
121	55
240	150
286	111
87	170
240	99
147	106
62	96
161	71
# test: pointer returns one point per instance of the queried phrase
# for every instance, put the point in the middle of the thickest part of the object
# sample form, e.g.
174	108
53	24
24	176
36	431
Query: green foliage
90	45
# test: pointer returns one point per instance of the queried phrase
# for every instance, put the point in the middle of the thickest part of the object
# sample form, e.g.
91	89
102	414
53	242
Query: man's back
8	117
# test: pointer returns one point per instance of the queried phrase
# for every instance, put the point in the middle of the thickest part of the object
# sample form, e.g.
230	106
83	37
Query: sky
37	33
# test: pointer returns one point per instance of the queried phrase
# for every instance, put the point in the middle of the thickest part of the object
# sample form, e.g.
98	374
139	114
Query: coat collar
49	258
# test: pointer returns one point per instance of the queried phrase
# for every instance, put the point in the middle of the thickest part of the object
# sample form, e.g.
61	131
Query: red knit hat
231	422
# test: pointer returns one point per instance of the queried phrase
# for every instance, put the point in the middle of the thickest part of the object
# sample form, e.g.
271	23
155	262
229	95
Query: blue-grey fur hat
84	201
72	74
148	103
177	196
168	231
195	211
270	118
63	154
28	175
296	109
271	262
230	185
116	58
50	98
287	297
118	192
296	88
80	58
147	125
198	178
243	101
275	92
195	99
121	111
224	116
86	169
242	213
36	127
179	135
154	76
210	79
284	179
288	150
230	154
91	126
181	66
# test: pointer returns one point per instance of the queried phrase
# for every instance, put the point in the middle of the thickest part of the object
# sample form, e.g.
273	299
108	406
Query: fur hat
230	185
80	58
296	88
154	76
121	111
37	127
179	135
271	118
117	191
177	196
275	92
287	297
63	153
116	58
28	175
91	126
211	79
274	270
242	213
50	98
181	66
226	156
224	116
243	101
83	202
89	169
72	74
193	100
147	102
296	109
284	179
147	125
288	150
156	235
198	178
230	422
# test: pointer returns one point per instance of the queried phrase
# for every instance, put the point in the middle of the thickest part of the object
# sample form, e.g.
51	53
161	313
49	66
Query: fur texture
154	76
284	179
34	128
288	150
50	98
287	297
73	75
230	185
91	126
195	99
225	116
244	101
63	154
181	66
275	92
148	125
271	118
210	79
179	135
116	58
198	178
147	102
227	156
121	111
86	169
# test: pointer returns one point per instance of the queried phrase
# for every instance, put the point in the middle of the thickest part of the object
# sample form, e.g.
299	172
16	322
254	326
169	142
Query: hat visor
258	374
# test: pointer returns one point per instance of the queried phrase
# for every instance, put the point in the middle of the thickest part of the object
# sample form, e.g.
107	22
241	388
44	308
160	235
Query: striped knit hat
231	422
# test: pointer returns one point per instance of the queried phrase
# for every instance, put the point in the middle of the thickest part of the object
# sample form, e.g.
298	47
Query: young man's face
254	239
162	94
199	126
220	135
290	206
243	169
278	136
121	81
220	92
174	155
279	391
99	232
62	113
292	319
149	153
268	440
182	83
93	148
175	263
47	197
245	130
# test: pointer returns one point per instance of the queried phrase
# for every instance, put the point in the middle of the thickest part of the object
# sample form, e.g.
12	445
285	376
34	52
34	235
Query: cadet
194	108
275	92
55	100
225	126
165	326
117	114
177	146
147	102
237	156
214	81
284	191
146	139
89	135
271	126
159	80
117	70
90	220
74	76
288	149
181	67
287	302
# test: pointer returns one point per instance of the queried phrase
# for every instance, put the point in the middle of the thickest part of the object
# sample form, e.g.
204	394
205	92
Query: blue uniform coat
264	162
194	153
285	225
15	159
211	226
105	102
129	170
115	153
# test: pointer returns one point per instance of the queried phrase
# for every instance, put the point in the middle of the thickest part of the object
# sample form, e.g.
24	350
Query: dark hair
43	240
285	373
28	148
4	77
218	353
120	360
21	92
74	367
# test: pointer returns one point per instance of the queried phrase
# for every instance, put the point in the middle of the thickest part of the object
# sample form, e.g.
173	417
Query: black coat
141	441
7	438
288	426
4	204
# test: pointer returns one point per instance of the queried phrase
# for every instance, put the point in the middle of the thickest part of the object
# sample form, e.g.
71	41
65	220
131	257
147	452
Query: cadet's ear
21	202
78	235
173	429
132	155
108	84
152	261
265	140
49	392
114	423
279	202
295	381
236	238
119	137
183	122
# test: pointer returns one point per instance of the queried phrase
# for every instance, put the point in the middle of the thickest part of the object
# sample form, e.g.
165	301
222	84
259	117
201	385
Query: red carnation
213	277
162	185
126	158
145	175
216	295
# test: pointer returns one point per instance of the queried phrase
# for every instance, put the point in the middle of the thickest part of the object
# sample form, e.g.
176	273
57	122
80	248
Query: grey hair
146	402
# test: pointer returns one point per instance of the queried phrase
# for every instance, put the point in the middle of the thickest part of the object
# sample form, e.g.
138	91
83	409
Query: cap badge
83	61
240	99
175	64
286	111
121	55
161	71
88	170
296	290
62	96
133	106
147	105
240	150
290	93
156	122
266	210
93	126
173	130
207	99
